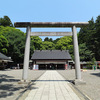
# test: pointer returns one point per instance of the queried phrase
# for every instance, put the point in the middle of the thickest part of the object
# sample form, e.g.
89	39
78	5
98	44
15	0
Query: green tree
48	39
88	36
85	53
55	41
3	44
86	33
64	43
16	41
36	44
46	45
97	38
5	21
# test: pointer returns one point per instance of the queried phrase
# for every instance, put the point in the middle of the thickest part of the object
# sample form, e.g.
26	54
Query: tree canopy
15	42
46	45
12	41
64	43
91	37
5	21
48	39
3	44
85	53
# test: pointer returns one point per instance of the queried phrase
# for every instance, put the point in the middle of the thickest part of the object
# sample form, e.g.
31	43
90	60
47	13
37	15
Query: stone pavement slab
52	86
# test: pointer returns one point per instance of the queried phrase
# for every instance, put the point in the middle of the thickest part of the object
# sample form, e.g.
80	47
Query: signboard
35	67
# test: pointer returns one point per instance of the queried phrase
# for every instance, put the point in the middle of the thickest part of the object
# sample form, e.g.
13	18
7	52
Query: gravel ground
9	87
92	79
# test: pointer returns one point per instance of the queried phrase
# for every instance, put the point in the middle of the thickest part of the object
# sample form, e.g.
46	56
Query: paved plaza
11	90
52	86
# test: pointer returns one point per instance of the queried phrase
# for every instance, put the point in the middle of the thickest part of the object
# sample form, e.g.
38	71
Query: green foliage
64	43
48	39
97	38
93	61
46	45
36	44
3	44
89	65
6	21
85	53
91	36
12	41
55	41
86	33
16	41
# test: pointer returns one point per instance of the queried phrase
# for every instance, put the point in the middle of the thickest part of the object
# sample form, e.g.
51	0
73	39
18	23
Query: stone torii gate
72	25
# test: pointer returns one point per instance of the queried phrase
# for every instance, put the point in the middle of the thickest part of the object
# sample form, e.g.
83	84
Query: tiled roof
51	54
3	57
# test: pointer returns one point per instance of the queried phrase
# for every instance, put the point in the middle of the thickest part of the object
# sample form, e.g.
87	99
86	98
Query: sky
50	11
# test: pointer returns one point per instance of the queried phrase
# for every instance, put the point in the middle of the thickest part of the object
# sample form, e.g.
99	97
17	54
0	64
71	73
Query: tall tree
97	38
5	21
3	44
86	32
85	53
87	36
48	39
16	41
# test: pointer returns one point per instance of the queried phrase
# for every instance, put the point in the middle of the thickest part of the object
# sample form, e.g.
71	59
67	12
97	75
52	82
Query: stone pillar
26	55
76	54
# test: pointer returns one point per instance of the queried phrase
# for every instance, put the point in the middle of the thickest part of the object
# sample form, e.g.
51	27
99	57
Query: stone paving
9	87
52	86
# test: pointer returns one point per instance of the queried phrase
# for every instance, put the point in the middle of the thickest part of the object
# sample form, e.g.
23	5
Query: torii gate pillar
26	55
78	79
76	54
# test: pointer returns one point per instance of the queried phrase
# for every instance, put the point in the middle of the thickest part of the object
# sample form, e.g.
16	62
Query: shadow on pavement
6	78
52	80
8	85
96	74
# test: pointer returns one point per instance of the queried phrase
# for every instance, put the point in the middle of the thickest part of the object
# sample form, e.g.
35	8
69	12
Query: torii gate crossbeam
72	25
51	34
